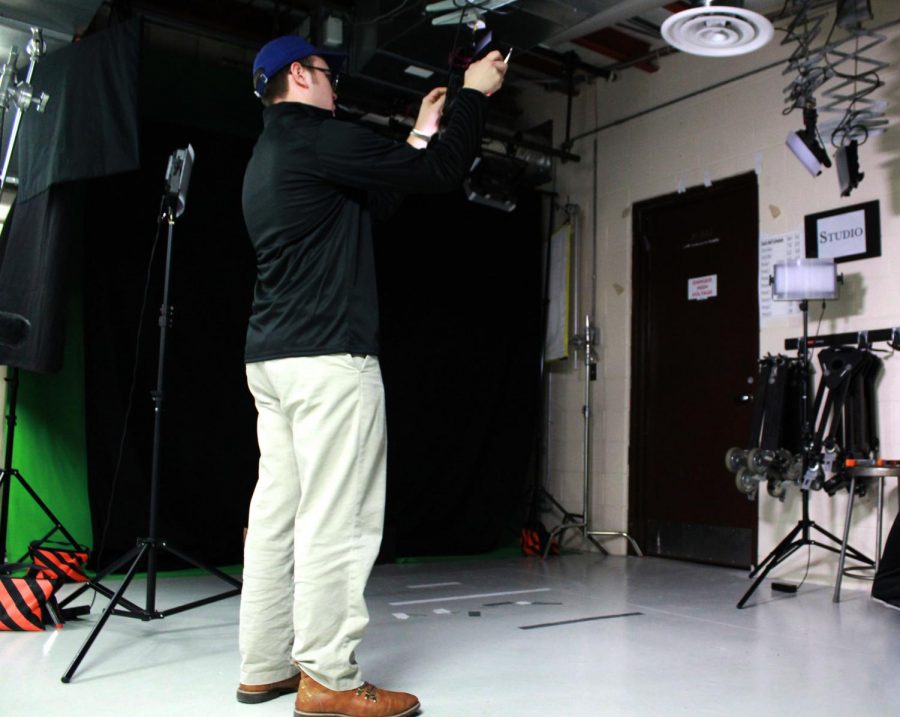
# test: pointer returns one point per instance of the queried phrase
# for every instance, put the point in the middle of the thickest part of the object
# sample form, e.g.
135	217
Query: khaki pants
316	517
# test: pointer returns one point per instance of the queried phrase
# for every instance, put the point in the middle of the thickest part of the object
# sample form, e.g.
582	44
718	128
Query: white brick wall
726	131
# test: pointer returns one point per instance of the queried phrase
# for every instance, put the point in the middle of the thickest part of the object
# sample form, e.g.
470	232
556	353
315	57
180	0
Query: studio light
463	12
806	146
493	181
805	279
847	160
852	13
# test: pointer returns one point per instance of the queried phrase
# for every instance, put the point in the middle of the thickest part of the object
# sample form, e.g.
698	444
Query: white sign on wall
844	234
703	287
841	235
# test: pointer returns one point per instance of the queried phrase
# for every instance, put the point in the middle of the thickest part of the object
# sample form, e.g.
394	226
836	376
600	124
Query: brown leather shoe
315	700
253	694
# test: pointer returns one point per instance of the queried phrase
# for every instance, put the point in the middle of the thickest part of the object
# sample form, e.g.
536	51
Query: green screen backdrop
49	447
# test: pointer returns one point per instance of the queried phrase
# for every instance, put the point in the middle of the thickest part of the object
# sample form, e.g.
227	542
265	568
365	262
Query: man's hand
487	74
430	111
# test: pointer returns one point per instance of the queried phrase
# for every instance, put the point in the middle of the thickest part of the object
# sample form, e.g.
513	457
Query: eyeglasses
333	77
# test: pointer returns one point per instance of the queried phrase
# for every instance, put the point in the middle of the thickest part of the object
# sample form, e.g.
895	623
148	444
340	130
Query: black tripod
8	473
802	532
150	546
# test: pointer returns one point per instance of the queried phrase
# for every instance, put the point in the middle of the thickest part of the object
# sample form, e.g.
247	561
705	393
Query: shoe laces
367	691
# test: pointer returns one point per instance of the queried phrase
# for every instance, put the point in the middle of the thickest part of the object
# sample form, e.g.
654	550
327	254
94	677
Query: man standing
311	190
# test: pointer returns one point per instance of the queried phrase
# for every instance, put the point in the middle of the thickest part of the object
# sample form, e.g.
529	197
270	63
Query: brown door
695	347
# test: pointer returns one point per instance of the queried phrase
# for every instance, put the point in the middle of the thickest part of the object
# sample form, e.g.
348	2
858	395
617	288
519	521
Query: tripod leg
106	592
851	551
618	534
772	562
95	582
558	530
57	525
208	568
212	571
603	551
4	511
67	677
788	539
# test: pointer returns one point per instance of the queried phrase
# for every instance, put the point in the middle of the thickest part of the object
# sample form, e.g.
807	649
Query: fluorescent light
805	279
419	71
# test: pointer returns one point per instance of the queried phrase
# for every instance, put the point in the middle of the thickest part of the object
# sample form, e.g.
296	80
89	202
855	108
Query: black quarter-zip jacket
311	190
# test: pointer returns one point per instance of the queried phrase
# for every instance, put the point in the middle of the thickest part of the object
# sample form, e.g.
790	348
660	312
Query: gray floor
644	637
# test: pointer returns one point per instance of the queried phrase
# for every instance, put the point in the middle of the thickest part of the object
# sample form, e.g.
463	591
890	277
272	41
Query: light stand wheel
746	482
735	459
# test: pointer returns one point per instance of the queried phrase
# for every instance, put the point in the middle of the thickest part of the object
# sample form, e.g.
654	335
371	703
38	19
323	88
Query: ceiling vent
717	31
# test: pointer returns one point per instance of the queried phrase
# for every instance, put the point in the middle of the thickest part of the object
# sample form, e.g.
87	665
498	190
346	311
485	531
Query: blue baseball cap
277	54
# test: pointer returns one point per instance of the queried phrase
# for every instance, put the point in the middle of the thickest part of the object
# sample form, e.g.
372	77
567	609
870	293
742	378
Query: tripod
802	532
150	546
8	473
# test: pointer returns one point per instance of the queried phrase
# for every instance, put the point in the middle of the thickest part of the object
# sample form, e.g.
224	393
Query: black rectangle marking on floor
579	619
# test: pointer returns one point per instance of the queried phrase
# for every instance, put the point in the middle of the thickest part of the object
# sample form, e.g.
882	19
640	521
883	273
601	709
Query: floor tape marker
580	619
433	585
468	597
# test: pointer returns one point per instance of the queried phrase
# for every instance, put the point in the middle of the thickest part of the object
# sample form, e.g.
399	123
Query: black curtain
89	129
208	448
460	305
459	287
208	455
38	248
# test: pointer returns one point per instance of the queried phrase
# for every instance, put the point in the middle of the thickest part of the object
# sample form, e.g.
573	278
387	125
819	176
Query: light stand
9	472
808	278
178	175
582	522
21	96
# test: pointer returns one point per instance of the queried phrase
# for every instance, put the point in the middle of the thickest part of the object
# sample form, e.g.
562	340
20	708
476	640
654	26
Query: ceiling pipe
614	13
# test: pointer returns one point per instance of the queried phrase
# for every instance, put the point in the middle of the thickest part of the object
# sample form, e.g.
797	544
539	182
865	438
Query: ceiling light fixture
417	71
805	143
717	31
463	12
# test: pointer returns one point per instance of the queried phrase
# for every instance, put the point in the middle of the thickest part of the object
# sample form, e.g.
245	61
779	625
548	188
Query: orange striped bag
51	562
27	603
